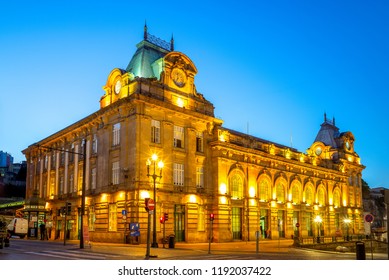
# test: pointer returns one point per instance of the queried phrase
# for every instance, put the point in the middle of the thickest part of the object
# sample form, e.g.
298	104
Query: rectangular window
61	190
178	174
155	131
116	134
112	217
62	159
52	184
178	137
200	177
199	142
94	144
71	183
52	163
93	178
115	173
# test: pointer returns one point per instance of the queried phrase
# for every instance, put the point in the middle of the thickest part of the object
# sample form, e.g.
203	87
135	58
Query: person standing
42	228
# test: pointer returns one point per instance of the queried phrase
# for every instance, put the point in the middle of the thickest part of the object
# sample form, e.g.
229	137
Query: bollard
360	250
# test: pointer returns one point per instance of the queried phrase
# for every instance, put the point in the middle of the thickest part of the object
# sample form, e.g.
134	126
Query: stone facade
250	184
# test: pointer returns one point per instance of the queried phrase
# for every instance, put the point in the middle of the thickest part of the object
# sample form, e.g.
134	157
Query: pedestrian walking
42	228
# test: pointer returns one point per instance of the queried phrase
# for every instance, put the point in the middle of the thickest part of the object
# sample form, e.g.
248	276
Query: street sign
151	204
134	226
369	218
124	212
297	224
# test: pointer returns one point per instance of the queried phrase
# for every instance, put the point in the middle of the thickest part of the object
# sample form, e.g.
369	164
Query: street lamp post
153	161
318	220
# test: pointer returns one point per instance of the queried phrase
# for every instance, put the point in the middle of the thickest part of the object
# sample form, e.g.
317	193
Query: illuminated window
295	193
309	195
280	192
71	183
178	137
199	177
115	173
320	196
61	190
155	131
236	186
52	184
199	142
264	190
112	217
336	198
116	134
178	174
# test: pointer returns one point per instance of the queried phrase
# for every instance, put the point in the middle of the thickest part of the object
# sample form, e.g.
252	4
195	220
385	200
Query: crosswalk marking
74	255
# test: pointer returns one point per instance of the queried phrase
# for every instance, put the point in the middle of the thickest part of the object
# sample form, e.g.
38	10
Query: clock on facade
179	77
318	151
348	145
118	86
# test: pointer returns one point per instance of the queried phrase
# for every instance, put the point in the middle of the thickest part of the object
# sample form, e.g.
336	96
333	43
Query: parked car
18	227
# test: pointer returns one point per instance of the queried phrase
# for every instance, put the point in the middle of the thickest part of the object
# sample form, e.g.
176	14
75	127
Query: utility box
360	250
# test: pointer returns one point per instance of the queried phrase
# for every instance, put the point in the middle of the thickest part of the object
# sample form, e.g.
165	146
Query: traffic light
211	217
162	219
165	216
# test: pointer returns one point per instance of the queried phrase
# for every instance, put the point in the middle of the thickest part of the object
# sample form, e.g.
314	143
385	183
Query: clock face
179	77
318	151
118	86
348	145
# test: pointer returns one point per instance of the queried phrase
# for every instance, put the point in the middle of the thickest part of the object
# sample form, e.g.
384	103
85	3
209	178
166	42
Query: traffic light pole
64	226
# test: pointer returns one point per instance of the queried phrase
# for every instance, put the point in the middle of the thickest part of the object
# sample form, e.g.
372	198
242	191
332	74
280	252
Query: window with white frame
115	173
61	186
155	131
200	177
178	174
116	134
178	136
199	142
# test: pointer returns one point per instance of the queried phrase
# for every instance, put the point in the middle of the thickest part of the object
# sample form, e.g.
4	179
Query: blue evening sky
271	68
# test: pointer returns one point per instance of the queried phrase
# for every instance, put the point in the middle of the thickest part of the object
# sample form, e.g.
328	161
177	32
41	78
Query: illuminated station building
152	112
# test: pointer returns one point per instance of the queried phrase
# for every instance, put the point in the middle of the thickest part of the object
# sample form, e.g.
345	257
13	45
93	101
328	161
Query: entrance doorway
179	222
237	223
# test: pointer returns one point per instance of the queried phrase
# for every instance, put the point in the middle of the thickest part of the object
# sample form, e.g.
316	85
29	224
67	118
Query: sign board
369	218
134	226
151	204
124	212
134	233
297	224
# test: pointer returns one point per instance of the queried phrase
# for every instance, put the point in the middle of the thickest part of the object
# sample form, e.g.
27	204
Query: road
268	250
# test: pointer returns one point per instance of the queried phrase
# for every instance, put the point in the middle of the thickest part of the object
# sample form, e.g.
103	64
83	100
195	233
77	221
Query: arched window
236	186
295	193
320	196
308	195
280	192
336	198
264	187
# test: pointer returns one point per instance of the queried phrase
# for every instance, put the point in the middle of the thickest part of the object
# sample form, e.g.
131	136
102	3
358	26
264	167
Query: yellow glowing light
180	102
253	202
144	194
252	191
192	199
160	164
154	157
344	202
223	188
104	197
223	200
318	219
273	203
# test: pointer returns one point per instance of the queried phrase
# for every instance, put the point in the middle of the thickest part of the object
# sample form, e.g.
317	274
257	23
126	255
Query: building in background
249	184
